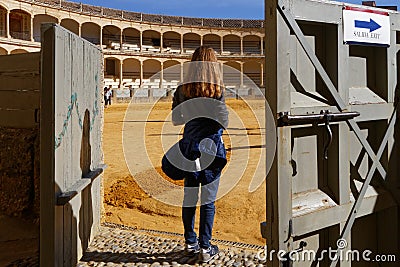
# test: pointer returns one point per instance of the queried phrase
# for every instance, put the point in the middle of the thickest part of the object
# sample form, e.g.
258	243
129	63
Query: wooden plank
69	227
18	118
20	62
74	244
59	220
76	189
47	157
63	156
73	81
79	186
279	179
20	81
19	100
330	216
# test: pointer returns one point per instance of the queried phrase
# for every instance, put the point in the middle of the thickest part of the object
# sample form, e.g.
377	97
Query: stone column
241	45
241	74
32	40
181	72
8	24
141	70
181	43
222	44
141	47
222	71
161	42
161	74
262	75
121	73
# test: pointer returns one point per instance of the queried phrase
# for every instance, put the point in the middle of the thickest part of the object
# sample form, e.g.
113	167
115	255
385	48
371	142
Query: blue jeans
209	180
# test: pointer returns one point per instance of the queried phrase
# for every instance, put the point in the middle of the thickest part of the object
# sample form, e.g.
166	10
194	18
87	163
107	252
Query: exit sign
366	27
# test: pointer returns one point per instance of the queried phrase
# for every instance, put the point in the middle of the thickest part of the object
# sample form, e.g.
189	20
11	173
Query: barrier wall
19	134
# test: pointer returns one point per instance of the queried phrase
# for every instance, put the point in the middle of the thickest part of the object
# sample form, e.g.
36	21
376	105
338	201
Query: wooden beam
79	186
21	100
27	81
18	118
47	152
310	222
20	62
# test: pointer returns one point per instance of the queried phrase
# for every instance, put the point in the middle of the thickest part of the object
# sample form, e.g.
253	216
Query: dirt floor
239	212
19	239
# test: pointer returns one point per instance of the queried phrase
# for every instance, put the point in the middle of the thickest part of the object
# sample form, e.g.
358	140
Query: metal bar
286	119
357	204
292	24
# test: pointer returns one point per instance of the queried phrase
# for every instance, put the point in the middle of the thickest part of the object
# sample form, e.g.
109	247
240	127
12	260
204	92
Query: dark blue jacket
202	116
204	119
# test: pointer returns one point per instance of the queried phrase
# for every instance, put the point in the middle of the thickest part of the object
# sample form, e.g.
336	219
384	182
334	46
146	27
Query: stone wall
19	172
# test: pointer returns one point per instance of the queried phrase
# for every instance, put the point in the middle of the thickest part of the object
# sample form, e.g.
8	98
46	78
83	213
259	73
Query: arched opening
131	73
91	32
232	74
151	41
251	44
70	25
172	73
231	44
3	22
18	51
111	37
3	51
150	68
37	22
172	42
213	41
131	39
190	42
252	70
20	25
112	69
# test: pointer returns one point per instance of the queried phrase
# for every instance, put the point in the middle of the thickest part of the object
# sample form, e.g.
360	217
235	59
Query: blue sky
246	9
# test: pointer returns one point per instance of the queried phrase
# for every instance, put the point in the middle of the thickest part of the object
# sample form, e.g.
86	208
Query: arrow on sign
371	25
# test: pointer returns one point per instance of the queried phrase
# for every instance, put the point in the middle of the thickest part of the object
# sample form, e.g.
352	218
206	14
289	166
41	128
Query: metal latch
325	117
289	256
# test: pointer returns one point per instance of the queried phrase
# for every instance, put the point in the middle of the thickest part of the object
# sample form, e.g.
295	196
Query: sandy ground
239	212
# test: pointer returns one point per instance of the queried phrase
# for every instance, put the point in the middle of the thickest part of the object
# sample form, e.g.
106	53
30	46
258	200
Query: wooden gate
334	183
71	119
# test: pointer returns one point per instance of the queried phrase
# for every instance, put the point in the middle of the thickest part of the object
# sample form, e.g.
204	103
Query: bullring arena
313	168
136	45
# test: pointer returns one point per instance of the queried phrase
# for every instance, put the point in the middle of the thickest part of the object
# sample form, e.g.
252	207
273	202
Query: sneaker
207	254
192	248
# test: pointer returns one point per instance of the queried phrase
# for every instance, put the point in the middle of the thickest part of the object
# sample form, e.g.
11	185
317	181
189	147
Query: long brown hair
204	75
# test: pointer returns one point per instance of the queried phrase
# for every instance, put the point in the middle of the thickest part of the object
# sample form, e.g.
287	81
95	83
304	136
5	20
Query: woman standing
199	104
